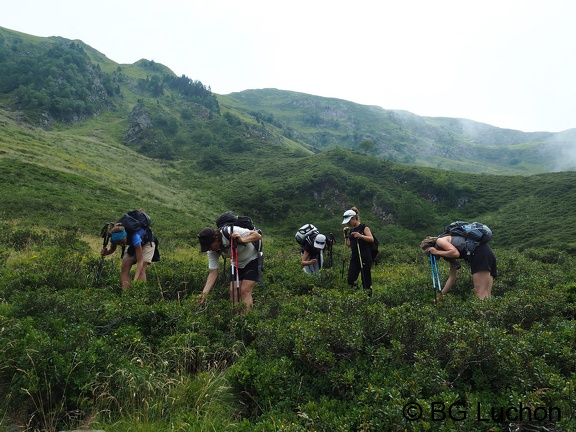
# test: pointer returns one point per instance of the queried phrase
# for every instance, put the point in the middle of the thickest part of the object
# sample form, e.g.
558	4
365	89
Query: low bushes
314	354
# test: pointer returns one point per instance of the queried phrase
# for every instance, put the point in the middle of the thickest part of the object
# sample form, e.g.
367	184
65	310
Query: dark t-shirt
364	245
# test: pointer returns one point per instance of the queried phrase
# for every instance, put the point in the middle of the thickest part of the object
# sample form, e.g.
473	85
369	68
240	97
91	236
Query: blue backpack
132	222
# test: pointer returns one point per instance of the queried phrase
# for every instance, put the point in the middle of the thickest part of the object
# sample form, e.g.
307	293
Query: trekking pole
344	255
105	234
361	265
234	266
330	243
433	276
437	274
436	283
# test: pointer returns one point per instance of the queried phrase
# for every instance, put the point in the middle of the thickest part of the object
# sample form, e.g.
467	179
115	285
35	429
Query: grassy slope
109	177
447	143
94	176
84	176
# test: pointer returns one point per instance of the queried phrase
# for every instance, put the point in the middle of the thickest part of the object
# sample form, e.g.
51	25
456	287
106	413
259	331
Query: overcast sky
508	63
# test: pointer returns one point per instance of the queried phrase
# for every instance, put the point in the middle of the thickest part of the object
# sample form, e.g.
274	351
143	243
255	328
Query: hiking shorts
147	253
483	260
249	272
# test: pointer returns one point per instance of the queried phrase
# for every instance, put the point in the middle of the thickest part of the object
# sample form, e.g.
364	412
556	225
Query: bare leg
483	281
246	287
125	273
246	290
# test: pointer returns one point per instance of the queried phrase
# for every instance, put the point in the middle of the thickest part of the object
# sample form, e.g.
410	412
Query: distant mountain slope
53	79
400	136
169	144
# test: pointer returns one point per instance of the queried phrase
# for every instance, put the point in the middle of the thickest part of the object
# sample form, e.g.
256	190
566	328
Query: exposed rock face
139	121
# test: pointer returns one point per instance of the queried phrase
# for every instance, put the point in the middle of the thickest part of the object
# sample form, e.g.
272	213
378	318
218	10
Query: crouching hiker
482	261
312	254
133	230
140	251
312	244
235	243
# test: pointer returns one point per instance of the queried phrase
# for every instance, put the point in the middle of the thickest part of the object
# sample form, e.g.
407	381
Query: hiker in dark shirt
482	262
358	238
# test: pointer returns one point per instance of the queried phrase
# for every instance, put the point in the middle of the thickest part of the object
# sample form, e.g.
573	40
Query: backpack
227	220
374	249
373	246
306	233
474	233
132	222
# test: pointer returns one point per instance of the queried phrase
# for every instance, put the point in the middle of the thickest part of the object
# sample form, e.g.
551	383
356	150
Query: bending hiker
216	244
358	238
482	261
312	254
140	251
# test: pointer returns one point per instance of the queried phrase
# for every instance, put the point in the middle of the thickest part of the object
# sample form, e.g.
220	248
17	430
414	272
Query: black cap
206	238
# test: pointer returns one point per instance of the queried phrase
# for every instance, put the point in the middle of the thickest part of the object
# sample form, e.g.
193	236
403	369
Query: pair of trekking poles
436	283
236	294
105	234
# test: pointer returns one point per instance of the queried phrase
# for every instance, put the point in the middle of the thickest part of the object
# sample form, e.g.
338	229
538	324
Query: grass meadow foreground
76	351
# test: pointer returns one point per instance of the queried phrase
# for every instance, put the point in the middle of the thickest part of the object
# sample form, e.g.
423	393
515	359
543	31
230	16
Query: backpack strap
226	231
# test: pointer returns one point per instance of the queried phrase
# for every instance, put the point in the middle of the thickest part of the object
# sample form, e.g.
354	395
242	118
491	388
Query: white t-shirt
246	252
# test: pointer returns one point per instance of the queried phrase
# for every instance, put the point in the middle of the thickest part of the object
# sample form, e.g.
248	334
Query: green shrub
313	354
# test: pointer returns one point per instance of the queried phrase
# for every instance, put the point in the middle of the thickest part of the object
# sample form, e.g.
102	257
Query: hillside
180	120
168	144
400	136
83	139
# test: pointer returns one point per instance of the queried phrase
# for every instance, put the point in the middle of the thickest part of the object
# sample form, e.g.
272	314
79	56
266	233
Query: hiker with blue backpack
469	242
139	245
359	239
236	243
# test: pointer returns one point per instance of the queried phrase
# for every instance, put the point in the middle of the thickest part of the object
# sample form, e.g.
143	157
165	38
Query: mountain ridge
304	122
170	145
404	137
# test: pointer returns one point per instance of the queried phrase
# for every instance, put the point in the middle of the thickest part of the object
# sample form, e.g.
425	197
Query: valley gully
439	411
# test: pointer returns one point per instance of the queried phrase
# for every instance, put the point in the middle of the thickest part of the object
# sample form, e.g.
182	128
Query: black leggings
354	271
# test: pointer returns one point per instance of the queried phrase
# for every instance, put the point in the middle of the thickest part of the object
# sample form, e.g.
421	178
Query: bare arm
108	251
305	260
253	236
210	281
140	273
444	248
345	230
451	278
